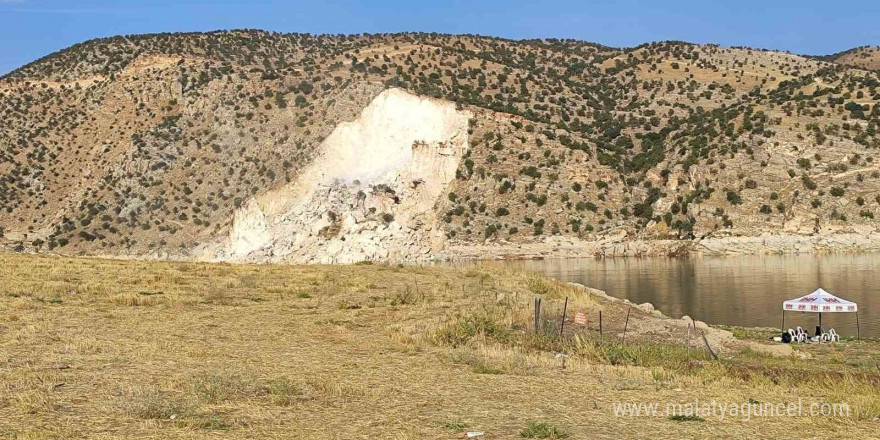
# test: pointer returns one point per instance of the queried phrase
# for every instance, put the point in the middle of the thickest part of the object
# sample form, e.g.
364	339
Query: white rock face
251	229
369	195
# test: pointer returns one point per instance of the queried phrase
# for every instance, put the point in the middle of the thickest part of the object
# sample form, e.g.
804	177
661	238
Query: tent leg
858	330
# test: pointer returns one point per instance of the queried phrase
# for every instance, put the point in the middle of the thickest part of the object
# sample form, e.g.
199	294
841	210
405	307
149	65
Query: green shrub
530	171
466	327
542	430
809	183
734	198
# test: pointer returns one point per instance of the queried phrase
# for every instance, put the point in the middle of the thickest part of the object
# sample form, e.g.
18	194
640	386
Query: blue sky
30	29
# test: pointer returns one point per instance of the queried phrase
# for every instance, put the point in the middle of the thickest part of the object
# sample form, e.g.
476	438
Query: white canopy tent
821	302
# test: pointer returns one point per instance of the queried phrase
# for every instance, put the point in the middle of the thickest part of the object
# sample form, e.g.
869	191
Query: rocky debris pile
348	222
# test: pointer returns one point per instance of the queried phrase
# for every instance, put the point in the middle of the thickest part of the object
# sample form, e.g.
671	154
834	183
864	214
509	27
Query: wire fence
556	322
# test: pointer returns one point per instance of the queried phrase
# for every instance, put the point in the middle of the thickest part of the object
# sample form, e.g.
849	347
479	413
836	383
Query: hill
862	57
243	145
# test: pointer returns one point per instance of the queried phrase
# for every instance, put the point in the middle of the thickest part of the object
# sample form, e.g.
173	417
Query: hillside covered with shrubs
146	144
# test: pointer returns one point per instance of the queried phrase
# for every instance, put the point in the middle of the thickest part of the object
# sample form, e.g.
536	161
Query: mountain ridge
145	145
103	40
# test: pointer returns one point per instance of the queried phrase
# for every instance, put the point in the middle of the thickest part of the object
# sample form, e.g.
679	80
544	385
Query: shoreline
565	247
562	247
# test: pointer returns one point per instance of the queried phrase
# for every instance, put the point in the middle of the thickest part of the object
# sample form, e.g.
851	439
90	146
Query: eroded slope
368	195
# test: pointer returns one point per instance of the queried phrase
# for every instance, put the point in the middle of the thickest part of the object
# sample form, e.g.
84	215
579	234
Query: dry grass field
110	349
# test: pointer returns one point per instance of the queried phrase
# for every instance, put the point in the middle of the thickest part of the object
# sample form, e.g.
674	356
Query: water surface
743	290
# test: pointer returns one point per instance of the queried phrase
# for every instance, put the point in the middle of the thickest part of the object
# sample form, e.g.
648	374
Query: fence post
858	327
564	311
687	342
626	324
537	314
600	323
706	341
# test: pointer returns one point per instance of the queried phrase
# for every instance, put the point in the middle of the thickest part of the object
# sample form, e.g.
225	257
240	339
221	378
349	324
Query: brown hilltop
863	57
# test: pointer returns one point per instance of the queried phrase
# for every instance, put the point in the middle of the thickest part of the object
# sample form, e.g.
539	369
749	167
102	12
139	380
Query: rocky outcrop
788	244
369	195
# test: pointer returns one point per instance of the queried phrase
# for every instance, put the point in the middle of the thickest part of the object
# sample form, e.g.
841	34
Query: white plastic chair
798	335
802	336
833	336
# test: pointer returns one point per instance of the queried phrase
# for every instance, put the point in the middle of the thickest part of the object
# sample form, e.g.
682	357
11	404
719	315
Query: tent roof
819	301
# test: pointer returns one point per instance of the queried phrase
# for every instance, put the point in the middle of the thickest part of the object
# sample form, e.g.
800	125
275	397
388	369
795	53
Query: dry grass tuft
219	387
543	430
150	403
284	392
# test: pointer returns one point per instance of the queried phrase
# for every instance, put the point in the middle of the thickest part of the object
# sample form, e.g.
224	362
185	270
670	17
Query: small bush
686	418
530	171
734	198
283	392
539	285
150	403
483	369
809	183
466	327
542	430
213	388
408	297
456	426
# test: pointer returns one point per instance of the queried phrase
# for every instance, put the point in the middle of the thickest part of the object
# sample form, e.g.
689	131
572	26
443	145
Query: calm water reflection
746	290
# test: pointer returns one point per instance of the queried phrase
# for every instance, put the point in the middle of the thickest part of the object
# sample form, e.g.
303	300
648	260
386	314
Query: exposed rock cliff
368	195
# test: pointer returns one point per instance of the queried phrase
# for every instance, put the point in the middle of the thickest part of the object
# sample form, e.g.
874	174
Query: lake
741	290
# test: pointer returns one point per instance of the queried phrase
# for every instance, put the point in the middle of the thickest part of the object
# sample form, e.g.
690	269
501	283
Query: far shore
570	247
